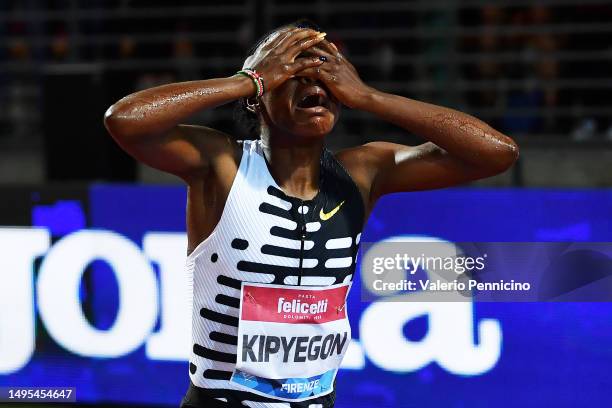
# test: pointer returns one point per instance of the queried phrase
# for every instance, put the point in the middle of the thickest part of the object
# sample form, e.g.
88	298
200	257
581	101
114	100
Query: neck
294	166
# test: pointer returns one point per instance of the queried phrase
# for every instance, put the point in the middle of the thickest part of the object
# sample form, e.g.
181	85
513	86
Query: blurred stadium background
541	71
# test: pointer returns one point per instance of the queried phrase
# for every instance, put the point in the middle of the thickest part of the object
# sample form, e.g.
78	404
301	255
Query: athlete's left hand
338	75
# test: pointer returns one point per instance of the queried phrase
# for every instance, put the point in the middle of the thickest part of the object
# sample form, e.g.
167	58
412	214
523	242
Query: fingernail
321	35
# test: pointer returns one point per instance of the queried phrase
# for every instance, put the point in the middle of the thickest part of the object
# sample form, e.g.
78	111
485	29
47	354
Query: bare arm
146	124
460	147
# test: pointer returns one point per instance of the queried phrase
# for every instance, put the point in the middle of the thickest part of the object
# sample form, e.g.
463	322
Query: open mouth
314	97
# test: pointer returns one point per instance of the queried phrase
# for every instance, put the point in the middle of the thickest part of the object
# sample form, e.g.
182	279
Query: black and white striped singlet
268	237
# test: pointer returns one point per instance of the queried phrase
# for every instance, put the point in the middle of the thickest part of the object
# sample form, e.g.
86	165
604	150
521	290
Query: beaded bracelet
256	78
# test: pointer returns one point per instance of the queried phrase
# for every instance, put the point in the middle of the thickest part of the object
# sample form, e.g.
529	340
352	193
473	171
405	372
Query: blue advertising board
92	298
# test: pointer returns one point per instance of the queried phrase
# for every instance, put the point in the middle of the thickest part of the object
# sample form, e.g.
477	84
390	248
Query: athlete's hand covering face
292	105
277	60
338	75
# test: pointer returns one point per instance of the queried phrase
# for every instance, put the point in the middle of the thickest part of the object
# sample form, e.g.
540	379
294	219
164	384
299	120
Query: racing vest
265	237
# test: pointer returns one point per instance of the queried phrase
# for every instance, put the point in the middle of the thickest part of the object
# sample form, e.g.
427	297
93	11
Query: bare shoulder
220	150
208	190
364	160
212	142
361	163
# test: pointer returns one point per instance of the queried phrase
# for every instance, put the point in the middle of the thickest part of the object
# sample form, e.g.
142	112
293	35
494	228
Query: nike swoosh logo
326	216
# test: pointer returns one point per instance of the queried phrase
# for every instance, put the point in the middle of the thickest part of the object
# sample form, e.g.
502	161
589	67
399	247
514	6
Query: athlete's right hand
278	60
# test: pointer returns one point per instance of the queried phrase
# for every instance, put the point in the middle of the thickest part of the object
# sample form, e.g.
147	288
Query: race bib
291	339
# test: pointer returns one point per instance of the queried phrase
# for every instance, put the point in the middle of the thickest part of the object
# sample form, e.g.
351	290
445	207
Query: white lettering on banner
173	340
18	248
58	294
449	340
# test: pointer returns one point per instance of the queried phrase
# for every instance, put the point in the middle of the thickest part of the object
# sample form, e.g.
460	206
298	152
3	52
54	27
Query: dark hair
246	119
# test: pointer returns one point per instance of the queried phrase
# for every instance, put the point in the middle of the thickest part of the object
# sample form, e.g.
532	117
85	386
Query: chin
317	127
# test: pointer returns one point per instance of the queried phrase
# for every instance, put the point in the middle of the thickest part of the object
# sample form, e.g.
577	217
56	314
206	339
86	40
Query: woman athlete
274	224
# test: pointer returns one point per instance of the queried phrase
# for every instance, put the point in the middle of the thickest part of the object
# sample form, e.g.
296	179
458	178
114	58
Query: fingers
304	44
317	50
279	36
294	37
315	72
322	72
302	64
329	47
